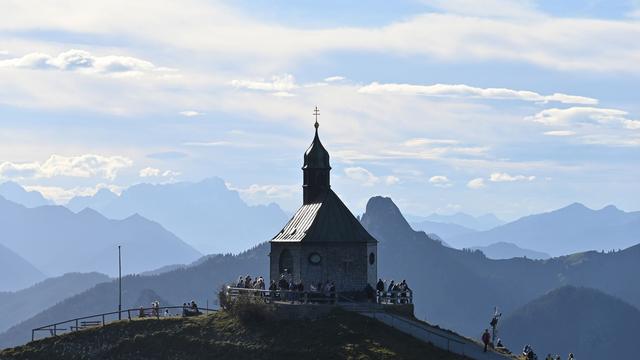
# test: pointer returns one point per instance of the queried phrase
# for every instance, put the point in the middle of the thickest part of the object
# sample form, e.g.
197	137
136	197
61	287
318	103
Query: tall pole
119	284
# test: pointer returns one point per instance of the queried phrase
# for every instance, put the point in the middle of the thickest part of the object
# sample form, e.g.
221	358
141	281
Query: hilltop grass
223	335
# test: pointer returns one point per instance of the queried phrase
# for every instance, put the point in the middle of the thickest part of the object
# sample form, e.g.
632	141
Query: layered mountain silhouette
477	223
571	229
442	230
504	250
16	272
200	282
57	241
205	214
23	304
16	193
457	289
587	322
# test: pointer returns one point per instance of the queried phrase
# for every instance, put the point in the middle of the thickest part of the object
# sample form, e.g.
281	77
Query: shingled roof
326	221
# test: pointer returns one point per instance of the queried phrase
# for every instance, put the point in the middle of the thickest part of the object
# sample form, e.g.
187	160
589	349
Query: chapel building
323	241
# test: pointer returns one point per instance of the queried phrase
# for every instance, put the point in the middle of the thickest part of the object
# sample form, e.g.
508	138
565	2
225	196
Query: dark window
315	258
285	262
372	258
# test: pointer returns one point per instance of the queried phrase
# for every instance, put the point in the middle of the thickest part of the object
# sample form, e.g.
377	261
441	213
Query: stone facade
348	264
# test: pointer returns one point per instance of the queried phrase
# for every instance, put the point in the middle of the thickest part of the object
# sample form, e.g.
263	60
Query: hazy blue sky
500	106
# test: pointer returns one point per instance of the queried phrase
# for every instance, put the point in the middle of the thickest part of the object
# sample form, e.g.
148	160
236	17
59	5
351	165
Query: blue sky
510	107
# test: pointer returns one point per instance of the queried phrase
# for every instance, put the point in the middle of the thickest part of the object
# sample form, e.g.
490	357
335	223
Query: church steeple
316	168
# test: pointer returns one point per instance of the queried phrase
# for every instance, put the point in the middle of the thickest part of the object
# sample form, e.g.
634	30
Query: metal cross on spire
316	113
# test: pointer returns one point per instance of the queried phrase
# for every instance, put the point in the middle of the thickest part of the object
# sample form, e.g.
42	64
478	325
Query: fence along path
440	338
86	322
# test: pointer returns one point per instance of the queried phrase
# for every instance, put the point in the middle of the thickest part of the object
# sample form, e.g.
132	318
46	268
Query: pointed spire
316	113
316	167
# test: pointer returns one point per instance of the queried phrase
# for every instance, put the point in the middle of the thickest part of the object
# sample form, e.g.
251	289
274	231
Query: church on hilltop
323	241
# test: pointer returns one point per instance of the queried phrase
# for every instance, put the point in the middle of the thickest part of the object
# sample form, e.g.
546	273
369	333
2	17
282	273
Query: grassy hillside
339	335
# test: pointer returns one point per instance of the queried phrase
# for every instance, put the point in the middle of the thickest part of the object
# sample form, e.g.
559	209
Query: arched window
285	262
372	258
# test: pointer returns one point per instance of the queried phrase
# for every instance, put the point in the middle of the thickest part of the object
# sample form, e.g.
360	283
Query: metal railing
91	321
307	296
270	296
395	297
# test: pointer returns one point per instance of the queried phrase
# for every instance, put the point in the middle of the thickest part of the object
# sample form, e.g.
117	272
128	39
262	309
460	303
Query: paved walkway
438	337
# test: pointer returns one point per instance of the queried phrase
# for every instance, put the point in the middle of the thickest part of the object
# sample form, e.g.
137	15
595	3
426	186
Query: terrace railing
269	296
95	320
317	297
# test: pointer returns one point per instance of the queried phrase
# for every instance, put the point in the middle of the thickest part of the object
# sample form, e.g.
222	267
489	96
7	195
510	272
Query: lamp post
119	284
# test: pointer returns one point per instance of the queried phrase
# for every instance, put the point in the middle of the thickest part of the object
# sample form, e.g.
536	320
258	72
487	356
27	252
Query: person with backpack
486	339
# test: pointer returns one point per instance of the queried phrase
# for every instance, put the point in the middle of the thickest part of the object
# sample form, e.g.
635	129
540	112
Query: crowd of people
285	288
155	310
529	354
190	309
246	282
393	293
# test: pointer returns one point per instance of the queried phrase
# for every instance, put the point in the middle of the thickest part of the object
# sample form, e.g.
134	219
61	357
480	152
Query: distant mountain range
206	214
443	230
23	304
16	193
16	272
466	221
454	288
459	288
499	250
56	240
200	282
587	322
571	229
503	250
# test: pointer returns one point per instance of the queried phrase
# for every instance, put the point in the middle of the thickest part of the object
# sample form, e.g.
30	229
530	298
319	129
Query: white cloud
154	172
334	78
423	141
466	91
361	175
476	183
149	172
440	181
575	114
283	94
280	85
84	166
504	177
631	124
83	61
190	113
487	8
591	125
391	180
505	34
560	133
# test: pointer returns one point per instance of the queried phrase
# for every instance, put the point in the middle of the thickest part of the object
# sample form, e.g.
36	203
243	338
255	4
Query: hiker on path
380	290
486	338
